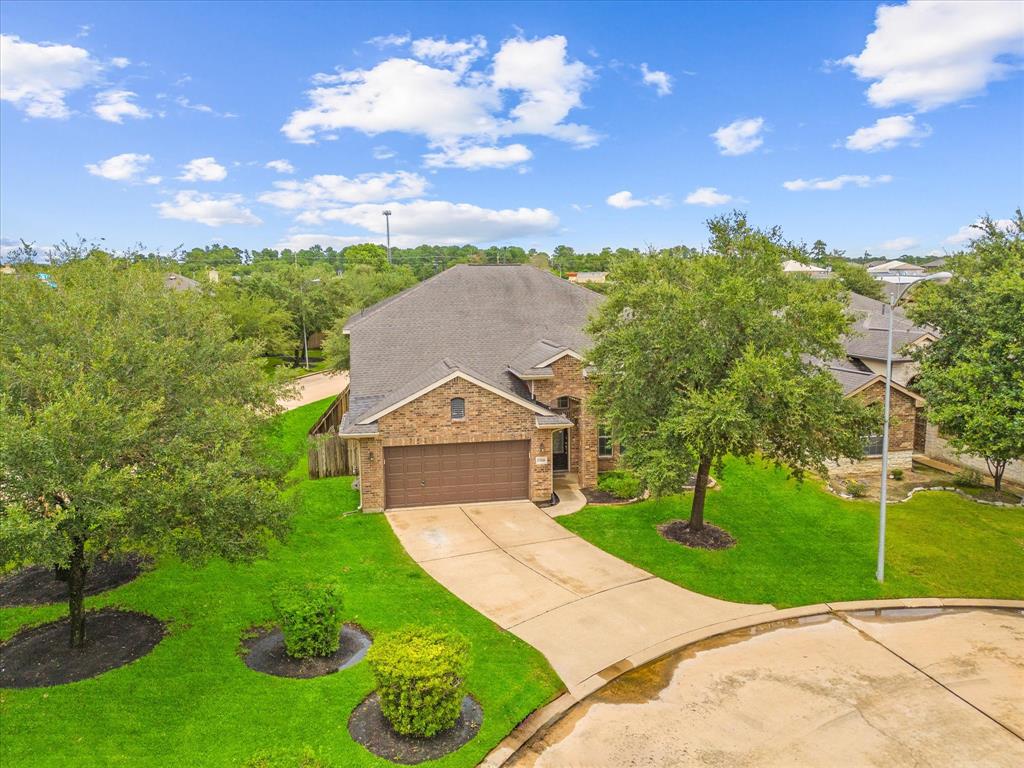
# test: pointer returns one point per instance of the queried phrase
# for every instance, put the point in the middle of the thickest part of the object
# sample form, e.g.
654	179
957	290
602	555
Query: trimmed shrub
620	484
896	474
420	679
310	617
856	488
968	478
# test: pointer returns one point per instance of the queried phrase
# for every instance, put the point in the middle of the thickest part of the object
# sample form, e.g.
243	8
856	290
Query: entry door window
560	449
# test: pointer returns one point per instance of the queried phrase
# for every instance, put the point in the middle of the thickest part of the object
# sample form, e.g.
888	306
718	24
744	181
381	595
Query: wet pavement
920	687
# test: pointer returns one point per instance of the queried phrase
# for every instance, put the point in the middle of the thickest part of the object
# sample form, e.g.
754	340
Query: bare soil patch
39	584
708	537
369	727
40	656
266	653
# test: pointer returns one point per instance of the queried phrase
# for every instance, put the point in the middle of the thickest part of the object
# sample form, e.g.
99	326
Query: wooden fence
328	455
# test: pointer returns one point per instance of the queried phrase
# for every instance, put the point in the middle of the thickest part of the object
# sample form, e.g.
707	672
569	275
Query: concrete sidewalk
587	611
315	387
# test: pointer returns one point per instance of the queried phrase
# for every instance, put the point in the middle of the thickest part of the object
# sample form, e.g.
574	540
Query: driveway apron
584	609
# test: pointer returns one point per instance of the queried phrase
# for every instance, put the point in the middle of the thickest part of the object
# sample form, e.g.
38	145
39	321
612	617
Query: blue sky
889	129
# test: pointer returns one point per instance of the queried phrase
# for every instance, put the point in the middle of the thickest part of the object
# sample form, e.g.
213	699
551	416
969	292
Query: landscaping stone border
543	718
910	495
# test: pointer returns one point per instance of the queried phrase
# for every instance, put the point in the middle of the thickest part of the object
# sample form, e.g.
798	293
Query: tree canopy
130	419
973	375
699	356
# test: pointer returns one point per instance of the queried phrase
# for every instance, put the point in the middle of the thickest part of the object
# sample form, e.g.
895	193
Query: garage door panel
450	473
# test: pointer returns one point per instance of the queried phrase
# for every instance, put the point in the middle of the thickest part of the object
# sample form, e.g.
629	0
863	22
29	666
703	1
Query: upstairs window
562	402
458	409
604	442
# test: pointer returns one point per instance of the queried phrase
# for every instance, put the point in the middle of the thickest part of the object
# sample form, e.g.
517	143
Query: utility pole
387	226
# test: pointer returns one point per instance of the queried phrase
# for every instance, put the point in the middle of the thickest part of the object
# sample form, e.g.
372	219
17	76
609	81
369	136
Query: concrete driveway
921	687
587	611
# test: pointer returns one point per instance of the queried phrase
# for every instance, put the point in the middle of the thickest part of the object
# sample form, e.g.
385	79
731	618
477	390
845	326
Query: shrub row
620	484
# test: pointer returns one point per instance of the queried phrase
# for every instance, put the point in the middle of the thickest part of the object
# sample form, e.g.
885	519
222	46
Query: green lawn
798	544
192	701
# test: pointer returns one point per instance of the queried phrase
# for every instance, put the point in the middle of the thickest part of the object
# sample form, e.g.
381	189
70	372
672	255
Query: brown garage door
415	475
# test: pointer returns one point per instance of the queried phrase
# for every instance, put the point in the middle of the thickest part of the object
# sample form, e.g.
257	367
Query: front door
560	450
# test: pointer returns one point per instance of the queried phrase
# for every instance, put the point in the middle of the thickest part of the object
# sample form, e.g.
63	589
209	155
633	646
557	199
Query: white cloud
206	109
383	153
709	196
37	78
203	169
799	185
739	137
383	41
458	55
446	223
887	133
447	103
969	232
190	205
660	81
934	53
625	200
327	190
126	167
281	166
474	158
120	62
115	105
901	244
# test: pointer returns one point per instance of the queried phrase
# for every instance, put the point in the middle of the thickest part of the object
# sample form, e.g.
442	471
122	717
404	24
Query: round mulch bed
709	537
368	726
39	584
40	656
597	496
266	653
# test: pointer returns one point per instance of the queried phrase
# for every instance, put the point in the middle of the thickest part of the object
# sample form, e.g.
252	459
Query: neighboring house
175	282
865	345
935	264
895	267
470	387
792	265
587	277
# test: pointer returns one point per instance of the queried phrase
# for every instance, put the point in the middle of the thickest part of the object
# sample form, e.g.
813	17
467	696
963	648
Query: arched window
458	409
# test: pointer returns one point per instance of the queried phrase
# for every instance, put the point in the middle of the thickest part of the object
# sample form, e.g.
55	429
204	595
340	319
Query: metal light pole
387	226
893	301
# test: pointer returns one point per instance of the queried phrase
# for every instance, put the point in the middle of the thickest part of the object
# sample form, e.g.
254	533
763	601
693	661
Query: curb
543	718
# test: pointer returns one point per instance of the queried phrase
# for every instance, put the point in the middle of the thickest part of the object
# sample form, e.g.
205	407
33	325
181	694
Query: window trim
461	402
604	435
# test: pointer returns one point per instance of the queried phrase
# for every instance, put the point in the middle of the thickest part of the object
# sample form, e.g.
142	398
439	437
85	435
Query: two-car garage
451	473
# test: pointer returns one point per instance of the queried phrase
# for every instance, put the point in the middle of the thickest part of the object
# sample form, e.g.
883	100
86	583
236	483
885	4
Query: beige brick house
470	387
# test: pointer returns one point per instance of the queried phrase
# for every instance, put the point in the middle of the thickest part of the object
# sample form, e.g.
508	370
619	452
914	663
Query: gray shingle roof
480	318
867	337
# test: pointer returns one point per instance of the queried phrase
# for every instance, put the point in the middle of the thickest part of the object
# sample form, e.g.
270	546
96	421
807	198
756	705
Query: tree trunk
76	594
997	476
700	490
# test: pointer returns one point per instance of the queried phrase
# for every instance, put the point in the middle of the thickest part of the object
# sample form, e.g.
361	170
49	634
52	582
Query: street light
893	301
387	225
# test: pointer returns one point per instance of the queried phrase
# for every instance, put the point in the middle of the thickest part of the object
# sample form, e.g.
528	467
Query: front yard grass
797	544
193	702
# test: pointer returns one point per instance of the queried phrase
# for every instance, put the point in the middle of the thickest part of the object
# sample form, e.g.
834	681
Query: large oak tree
973	375
129	420
700	356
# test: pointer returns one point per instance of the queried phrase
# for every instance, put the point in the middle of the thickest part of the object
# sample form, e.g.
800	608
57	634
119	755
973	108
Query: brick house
470	387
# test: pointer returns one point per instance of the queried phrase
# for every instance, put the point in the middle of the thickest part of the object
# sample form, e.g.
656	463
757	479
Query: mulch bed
266	653
40	656
709	537
39	584
368	726
597	496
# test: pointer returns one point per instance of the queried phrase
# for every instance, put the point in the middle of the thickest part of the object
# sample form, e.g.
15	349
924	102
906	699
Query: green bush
620	484
968	478
420	676
856	488
310	617
897	474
